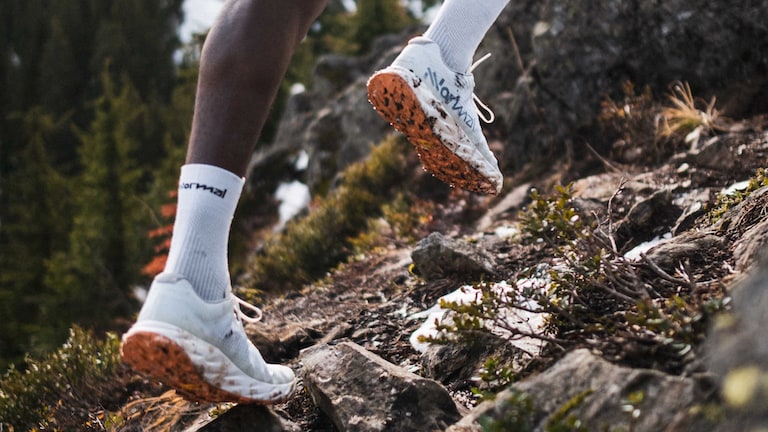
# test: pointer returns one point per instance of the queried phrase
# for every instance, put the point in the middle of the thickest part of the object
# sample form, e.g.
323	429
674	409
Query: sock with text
207	200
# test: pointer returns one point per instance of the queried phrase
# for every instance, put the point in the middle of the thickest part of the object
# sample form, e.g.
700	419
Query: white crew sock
207	199
460	26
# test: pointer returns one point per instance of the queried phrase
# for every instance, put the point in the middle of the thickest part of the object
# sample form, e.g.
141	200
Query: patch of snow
432	316
302	161
297	88
293	197
514	319
634	253
732	189
506	231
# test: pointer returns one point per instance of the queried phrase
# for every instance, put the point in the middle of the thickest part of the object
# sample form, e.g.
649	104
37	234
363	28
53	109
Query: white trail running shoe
434	107
200	348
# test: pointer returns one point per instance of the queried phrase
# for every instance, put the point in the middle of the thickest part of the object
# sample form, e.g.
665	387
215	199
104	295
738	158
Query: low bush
310	246
60	391
633	312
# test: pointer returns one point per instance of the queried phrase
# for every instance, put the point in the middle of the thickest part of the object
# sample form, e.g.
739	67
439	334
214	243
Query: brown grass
687	117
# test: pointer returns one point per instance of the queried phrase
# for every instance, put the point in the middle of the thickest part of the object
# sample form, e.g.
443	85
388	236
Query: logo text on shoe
221	193
451	100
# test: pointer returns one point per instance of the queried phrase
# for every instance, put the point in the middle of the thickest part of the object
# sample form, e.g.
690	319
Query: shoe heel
161	358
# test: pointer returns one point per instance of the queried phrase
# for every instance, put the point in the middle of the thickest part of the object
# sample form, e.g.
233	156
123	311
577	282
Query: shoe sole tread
163	359
395	101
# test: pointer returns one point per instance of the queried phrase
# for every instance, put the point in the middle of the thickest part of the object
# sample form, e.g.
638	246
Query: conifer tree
58	116
34	227
89	283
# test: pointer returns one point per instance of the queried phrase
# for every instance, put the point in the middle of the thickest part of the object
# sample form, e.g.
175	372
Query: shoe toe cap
281	374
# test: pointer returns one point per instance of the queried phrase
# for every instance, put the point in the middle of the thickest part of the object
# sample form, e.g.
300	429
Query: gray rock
283	340
737	352
689	245
746	222
459	362
513	201
247	418
438	256
577	53
584	389
748	247
649	217
360	391
599	187
644	214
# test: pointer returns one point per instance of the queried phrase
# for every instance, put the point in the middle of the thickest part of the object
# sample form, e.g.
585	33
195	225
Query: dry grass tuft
163	413
688	117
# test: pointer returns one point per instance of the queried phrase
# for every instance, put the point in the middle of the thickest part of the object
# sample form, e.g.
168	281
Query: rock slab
361	392
737	351
583	390
438	256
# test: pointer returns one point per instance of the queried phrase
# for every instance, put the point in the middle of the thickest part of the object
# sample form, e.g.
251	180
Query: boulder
584	392
247	418
360	391
555	62
438	256
574	54
737	351
461	362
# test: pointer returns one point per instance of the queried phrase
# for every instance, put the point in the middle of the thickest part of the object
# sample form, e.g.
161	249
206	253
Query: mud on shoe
200	348
434	107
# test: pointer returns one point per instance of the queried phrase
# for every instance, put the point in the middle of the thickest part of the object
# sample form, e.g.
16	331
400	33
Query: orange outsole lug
161	358
396	103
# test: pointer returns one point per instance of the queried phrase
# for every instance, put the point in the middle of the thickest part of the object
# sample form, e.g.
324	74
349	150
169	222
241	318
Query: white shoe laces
485	114
240	304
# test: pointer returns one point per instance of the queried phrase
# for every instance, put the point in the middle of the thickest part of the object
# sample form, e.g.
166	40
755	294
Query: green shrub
592	296
726	202
553	218
494	375
58	391
515	414
311	246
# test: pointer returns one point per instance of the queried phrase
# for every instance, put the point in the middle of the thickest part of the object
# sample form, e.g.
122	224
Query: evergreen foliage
57	391
33	229
86	117
375	18
99	264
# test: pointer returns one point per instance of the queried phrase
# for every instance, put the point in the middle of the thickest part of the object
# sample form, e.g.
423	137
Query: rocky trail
632	300
348	335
